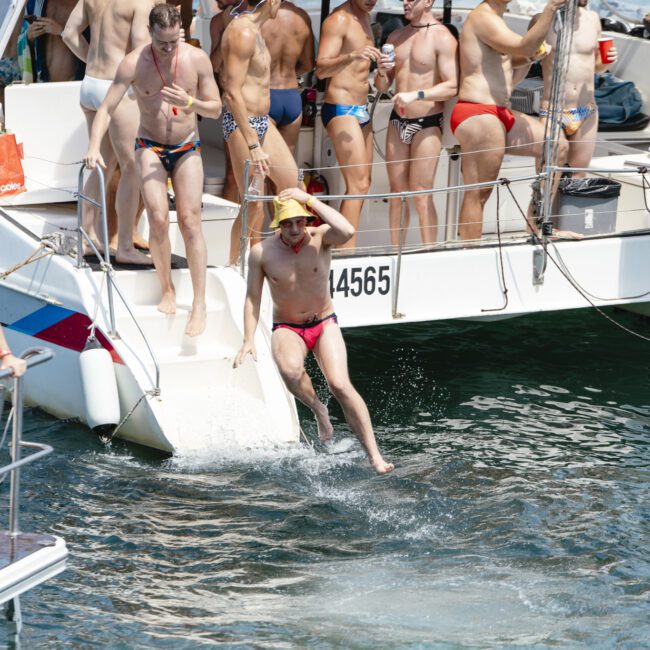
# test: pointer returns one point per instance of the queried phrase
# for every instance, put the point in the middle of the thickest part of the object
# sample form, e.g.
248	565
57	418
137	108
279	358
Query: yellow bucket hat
289	209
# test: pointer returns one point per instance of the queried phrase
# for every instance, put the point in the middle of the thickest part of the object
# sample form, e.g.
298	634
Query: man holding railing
426	75
484	125
8	361
172	82
296	264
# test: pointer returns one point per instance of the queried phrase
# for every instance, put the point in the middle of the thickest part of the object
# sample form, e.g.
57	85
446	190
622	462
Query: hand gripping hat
289	209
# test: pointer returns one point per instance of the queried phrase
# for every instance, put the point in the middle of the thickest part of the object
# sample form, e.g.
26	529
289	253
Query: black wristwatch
420	94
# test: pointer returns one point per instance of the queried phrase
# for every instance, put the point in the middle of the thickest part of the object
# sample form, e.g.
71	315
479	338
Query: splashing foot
325	428
381	466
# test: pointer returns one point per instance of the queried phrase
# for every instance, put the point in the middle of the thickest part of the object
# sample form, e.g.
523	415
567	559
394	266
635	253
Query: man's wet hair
164	16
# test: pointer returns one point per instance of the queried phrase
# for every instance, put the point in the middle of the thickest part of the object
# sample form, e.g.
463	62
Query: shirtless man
291	45
296	264
580	113
344	56
218	24
481	120
173	82
116	27
426	75
54	60
246	125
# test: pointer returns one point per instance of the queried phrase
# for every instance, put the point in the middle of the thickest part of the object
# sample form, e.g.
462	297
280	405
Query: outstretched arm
493	31
72	34
252	305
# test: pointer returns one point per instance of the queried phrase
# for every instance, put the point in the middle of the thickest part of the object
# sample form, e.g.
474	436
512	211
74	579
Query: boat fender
99	386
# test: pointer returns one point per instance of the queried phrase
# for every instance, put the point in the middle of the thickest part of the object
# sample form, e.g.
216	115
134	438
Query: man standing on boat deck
426	75
116	27
580	112
296	264
8	360
291	46
218	24
173	82
484	126
250	135
346	50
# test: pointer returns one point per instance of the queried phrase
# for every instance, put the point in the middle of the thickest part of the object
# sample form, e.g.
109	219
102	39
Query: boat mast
563	26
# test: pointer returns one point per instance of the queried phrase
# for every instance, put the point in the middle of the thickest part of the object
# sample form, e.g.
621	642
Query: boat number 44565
359	280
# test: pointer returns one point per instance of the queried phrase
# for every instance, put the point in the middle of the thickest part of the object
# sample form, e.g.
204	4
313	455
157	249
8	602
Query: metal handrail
82	233
34	357
107	267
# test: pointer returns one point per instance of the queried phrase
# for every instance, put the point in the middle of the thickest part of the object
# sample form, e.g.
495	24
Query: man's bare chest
417	52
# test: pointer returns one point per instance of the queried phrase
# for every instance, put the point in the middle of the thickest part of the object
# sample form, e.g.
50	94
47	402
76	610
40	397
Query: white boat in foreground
177	393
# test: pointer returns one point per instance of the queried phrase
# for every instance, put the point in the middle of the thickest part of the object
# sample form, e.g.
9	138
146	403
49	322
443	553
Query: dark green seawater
518	515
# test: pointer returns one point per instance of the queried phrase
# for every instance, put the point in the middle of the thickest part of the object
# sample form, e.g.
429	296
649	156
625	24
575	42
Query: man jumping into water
173	82
296	264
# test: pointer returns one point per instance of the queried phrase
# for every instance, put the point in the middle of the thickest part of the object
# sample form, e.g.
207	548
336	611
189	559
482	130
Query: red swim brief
463	110
309	331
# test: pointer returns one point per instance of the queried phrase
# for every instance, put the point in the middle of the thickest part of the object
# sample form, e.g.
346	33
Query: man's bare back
290	42
299	284
113	26
350	31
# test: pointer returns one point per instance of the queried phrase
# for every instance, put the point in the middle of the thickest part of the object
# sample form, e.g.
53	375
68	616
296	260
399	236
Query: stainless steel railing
34	357
107	267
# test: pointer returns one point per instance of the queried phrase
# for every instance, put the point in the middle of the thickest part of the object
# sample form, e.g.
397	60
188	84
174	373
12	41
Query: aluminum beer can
388	50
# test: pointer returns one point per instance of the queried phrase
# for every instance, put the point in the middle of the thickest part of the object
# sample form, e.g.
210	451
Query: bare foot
168	303
381	466
133	256
325	428
196	321
140	242
100	247
566	234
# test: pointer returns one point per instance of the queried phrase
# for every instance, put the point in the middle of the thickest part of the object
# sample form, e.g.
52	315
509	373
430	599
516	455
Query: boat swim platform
27	560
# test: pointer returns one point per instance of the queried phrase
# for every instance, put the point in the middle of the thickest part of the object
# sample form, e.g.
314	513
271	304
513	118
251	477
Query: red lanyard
153	54
296	247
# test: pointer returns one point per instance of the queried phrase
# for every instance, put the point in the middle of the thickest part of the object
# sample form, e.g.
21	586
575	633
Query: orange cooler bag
12	178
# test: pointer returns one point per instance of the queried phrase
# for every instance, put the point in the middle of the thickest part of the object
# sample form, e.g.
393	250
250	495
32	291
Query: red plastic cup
605	44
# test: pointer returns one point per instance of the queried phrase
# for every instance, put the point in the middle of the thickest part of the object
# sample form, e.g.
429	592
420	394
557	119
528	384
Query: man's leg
283	170
290	133
397	168
91	219
526	138
153	184
425	150
289	352
582	144
353	147
482	141
239	153
332	358
230	191
187	180
122	130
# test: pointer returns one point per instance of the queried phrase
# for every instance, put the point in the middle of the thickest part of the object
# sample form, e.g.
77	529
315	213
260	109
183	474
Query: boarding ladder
26	559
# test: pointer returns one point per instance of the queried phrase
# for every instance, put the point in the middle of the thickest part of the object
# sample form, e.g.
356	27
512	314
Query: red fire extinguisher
316	186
